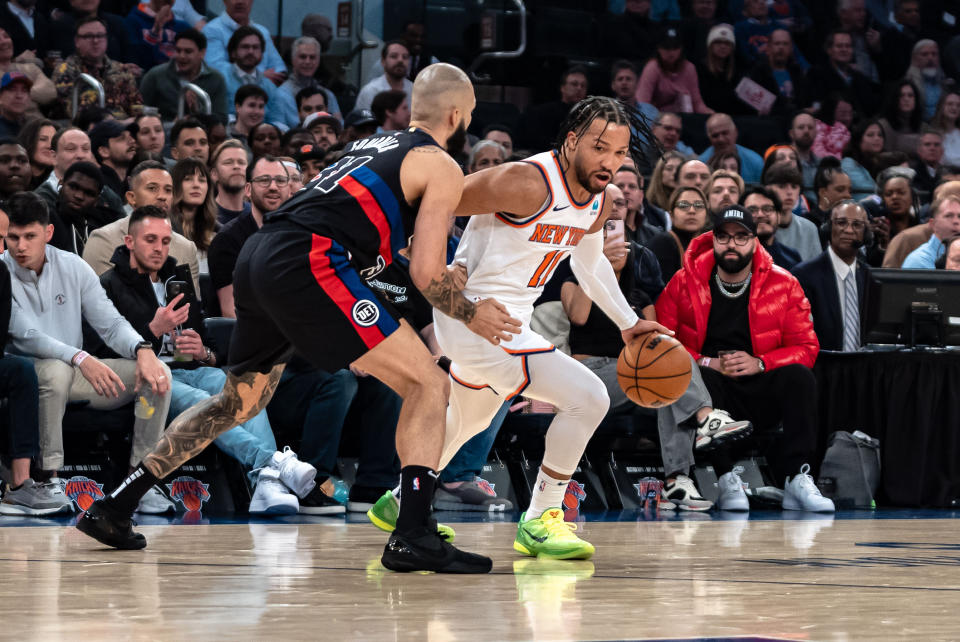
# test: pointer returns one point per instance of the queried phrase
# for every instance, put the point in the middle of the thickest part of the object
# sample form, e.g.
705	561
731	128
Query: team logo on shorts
189	491
365	313
83	491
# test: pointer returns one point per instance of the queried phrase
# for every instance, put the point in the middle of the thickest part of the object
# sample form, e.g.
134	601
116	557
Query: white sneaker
800	493
718	427
155	503
731	496
272	497
296	475
683	492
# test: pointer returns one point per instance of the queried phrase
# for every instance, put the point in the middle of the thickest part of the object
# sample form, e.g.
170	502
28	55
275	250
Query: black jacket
70	235
762	74
133	294
6	299
825	79
819	283
19	34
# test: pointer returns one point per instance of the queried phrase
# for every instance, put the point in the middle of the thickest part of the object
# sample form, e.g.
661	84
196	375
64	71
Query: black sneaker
109	527
362	498
425	550
319	503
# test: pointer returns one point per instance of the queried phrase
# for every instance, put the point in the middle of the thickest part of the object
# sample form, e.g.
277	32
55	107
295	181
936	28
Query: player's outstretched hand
493	322
642	327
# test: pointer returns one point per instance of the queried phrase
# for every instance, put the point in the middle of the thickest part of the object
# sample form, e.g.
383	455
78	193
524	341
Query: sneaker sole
794	506
274	510
716	441
14	509
379	523
171	509
571	555
359	507
322	510
86	527
494	507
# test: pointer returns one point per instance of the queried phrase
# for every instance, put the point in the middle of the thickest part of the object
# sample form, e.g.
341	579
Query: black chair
208	297
219	330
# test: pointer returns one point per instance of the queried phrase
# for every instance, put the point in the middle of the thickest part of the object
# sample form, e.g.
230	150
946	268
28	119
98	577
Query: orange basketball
654	370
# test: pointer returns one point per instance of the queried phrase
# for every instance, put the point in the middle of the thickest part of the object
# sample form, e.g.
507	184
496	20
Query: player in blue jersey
300	283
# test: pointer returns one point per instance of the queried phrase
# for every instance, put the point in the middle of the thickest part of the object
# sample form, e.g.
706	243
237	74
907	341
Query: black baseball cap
102	132
310	152
735	214
359	118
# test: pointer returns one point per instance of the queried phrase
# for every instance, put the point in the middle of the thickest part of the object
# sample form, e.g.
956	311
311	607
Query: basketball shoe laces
557	527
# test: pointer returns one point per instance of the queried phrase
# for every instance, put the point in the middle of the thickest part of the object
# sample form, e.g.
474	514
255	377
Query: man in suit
27	26
836	281
839	75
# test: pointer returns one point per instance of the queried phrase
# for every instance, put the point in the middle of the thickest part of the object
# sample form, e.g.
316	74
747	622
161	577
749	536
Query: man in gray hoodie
53	293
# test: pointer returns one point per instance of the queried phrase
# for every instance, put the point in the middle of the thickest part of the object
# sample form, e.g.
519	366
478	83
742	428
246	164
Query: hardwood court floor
804	579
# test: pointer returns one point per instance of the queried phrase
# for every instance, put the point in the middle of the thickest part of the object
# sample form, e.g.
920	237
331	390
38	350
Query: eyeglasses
685	205
856	226
264	181
92	36
753	210
739	239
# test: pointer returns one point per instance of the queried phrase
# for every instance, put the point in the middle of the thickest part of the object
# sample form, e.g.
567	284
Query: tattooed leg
242	398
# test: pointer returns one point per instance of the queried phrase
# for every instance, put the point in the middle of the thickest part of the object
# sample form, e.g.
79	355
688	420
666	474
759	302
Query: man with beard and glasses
549	207
299	283
747	324
765	208
395	58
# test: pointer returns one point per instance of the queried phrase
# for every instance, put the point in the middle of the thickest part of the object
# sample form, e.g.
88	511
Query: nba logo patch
83	491
416	483
190	492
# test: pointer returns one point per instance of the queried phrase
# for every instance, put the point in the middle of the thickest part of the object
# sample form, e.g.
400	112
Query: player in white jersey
549	207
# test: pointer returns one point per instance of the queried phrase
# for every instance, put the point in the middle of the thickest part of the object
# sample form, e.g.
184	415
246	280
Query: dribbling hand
493	322
642	327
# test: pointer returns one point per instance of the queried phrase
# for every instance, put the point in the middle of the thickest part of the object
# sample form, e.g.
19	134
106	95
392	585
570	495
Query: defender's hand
492	322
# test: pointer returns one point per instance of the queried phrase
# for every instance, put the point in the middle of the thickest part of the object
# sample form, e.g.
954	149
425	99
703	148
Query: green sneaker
384	512
551	537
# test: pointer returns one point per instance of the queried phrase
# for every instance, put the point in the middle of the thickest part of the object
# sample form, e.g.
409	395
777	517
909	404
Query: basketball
653	370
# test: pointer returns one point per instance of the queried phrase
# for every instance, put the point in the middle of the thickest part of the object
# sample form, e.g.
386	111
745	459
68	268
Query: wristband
79	357
705	362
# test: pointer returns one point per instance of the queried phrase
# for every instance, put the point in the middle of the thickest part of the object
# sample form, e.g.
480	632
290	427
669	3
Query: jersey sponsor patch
365	313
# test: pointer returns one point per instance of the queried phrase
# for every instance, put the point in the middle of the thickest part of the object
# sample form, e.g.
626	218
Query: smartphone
176	288
615	230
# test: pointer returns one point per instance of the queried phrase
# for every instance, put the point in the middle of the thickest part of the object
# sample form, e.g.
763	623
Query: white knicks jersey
510	259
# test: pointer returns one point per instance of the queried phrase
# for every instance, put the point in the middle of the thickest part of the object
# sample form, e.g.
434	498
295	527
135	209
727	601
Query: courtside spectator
951	258
69	146
161	84
250	108
310	100
898	41
305	60
27	25
803	133
484	154
15	171
764	206
643	220
413	36
50	332
780	74
310	158
693	173
838	74
669	80
668	129
188	139
266	188
861	158
246	52
63	29
76	210
723	190
722	133
114	148
836	281
326	129
264	139
395	58
149	135
927	76
119	85
688	218
929	155
902	118
294	139
359	123
150	184
852	18
730	297
172	323
624	77
42	91
228	169
632	34
152	28
18	385
193	212
392	110
663	180
14	101
753	30
895	213
36	136
221	29
945	119
795	231
944	223
719	73
500	134
831	185
540	123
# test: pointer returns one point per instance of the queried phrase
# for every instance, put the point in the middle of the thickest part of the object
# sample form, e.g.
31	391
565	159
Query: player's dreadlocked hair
645	149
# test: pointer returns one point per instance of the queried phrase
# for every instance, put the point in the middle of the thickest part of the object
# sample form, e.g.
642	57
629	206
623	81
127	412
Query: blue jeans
251	443
469	460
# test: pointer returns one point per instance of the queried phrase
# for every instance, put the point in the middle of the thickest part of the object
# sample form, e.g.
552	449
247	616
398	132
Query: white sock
547	493
396	492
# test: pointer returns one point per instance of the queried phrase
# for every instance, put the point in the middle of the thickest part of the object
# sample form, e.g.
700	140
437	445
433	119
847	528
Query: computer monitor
913	307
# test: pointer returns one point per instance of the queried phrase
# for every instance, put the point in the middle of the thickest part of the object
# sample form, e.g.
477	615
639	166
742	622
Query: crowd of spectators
207	125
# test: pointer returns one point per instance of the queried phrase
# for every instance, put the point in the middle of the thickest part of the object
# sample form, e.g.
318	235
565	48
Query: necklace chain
743	286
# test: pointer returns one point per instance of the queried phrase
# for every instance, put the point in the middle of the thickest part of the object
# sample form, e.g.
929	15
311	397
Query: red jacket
780	323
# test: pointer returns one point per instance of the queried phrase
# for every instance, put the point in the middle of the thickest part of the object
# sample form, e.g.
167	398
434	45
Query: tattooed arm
242	398
436	180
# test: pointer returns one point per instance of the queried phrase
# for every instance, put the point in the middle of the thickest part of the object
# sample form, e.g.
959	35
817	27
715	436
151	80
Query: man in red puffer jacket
747	323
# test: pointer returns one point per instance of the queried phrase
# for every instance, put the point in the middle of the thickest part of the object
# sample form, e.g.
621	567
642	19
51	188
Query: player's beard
730	265
584	178
457	139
